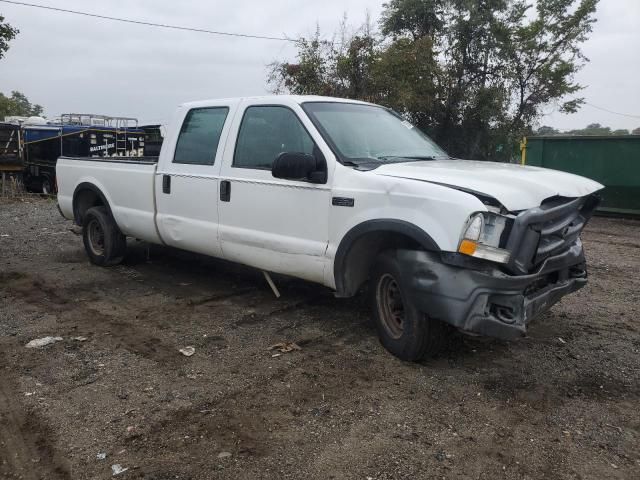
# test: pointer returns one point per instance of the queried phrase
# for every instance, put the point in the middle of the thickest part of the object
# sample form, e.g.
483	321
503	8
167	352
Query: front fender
383	225
437	211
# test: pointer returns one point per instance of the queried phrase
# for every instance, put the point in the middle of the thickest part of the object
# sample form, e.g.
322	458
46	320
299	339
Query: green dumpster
611	160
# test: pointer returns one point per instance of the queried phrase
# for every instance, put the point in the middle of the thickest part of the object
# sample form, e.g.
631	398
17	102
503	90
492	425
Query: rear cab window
200	135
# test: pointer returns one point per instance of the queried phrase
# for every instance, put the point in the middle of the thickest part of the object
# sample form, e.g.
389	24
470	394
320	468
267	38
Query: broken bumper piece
486	301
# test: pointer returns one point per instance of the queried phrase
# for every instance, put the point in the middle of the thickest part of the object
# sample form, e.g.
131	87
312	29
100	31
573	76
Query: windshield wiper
351	163
408	157
380	160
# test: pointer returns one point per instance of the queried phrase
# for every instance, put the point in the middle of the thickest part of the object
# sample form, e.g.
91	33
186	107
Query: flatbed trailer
36	144
76	135
10	154
10	146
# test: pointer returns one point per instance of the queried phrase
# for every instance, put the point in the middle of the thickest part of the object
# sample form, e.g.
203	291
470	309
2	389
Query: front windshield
368	133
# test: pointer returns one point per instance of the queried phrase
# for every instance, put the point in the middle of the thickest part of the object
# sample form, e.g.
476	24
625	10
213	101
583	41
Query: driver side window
265	133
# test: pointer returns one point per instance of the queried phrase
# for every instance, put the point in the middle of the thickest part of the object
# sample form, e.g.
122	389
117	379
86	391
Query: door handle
225	191
166	184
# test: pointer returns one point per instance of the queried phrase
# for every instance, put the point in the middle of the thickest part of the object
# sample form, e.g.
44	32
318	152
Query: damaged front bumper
486	301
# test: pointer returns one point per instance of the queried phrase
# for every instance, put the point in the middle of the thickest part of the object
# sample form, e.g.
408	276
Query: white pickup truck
346	194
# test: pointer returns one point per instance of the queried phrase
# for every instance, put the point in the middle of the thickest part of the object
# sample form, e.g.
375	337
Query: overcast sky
70	63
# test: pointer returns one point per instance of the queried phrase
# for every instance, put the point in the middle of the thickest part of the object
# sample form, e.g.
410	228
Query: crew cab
346	194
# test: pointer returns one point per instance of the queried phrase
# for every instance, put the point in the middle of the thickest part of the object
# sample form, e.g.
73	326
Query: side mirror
299	166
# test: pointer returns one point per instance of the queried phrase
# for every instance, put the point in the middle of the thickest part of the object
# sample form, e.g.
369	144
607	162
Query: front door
187	184
270	223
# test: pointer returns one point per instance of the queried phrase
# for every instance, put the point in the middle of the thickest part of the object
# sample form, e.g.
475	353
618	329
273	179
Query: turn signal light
468	247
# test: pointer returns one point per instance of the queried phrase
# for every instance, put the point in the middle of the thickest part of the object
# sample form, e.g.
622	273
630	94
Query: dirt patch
27	443
561	403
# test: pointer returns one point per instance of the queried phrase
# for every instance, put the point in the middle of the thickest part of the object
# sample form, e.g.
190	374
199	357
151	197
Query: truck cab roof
277	99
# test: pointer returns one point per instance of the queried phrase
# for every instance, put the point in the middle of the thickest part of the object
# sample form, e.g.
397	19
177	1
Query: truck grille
547	231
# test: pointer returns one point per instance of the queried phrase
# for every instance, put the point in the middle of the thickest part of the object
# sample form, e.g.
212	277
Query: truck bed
128	184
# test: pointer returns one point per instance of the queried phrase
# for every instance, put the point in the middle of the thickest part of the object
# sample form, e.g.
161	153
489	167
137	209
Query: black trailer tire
47	186
33	184
404	331
103	241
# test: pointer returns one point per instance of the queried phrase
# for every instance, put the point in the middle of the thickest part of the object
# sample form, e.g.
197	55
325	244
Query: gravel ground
560	403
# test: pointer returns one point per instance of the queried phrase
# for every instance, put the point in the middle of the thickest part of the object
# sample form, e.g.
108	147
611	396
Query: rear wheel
104	243
403	330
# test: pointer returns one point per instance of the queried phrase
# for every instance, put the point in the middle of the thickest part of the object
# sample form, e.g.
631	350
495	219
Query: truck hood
514	186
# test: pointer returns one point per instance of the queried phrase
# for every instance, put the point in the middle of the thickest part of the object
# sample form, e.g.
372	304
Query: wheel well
360	247
84	198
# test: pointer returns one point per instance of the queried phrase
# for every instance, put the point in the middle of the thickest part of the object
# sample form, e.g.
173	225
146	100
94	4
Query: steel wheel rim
390	305
96	237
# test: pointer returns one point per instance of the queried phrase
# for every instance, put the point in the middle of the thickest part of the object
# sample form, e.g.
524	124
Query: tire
33	184
404	331
47	185
103	241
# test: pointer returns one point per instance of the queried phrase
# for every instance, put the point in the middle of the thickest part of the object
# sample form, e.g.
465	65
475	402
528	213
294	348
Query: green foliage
328	68
620	131
18	104
546	130
594	129
591	129
474	74
416	18
7	33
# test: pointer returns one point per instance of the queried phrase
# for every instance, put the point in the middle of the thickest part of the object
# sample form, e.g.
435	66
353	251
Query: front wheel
403	330
103	241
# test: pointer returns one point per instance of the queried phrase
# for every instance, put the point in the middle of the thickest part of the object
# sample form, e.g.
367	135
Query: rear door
187	180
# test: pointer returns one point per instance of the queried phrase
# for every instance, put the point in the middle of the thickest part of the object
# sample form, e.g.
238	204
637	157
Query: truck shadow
203	279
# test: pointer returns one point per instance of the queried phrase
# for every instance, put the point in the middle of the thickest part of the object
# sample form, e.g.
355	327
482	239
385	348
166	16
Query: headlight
481	237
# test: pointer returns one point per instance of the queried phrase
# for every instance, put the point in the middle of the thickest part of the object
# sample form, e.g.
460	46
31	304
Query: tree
546	55
474	74
620	131
7	33
17	103
546	130
415	18
327	67
591	129
598	129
